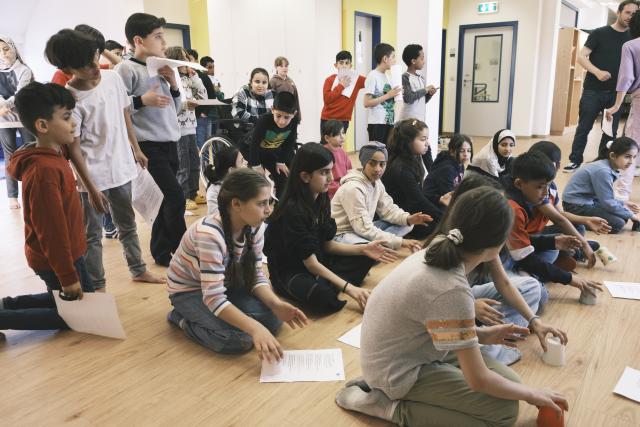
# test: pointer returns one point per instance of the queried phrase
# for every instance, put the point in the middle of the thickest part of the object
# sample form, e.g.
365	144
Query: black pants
169	225
268	161
379	133
316	293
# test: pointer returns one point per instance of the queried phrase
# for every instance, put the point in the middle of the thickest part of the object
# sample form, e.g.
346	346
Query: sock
360	382
374	403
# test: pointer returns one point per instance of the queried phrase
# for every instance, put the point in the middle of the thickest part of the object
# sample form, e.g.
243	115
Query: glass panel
487	59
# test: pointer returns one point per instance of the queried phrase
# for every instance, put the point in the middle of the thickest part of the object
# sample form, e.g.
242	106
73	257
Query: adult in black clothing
305	263
405	174
600	56
448	170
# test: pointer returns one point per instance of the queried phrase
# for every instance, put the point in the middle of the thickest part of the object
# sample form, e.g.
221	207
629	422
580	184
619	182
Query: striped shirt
199	263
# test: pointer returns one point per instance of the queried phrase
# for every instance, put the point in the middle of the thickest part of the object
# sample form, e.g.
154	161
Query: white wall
420	22
173	11
32	22
308	33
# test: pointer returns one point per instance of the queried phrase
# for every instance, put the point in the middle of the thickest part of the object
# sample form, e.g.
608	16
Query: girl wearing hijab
14	75
494	159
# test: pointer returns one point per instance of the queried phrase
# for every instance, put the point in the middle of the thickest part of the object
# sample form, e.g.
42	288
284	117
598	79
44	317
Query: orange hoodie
53	219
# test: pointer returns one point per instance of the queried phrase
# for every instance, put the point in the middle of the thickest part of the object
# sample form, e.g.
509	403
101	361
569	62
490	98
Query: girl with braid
221	298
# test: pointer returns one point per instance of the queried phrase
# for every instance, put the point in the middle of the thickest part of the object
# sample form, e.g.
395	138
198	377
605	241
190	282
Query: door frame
186	33
514	45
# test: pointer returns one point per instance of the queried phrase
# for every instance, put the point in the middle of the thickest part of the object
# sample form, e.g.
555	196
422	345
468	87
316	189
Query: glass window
487	60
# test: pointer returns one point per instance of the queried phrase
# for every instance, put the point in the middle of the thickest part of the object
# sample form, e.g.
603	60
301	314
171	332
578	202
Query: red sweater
341	165
337	106
53	220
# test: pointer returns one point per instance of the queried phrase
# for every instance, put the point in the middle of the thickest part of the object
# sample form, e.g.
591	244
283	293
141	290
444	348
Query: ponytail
618	147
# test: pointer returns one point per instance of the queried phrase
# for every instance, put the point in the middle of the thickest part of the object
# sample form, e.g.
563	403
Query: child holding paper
221	298
104	151
54	235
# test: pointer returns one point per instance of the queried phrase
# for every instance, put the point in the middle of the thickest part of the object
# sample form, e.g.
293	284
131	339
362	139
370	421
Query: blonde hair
176	52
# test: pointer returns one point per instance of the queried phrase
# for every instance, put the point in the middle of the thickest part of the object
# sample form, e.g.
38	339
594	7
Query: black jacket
444	176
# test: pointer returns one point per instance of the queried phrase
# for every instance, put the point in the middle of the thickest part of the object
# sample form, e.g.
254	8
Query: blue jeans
355	239
617	223
208	330
38	311
8	140
203	130
592	103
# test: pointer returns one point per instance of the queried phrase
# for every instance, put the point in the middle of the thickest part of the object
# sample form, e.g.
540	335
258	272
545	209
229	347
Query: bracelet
534	317
345	286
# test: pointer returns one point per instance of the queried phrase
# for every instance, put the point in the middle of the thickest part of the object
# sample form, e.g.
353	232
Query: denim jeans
592	103
38	311
208	330
8	139
616	222
188	166
354	239
124	219
203	130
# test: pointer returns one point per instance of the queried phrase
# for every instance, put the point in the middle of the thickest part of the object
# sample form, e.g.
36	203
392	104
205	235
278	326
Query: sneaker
111	232
191	205
579	253
570	168
200	199
635	226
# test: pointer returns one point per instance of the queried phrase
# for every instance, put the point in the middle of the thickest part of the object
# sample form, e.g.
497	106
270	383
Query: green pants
442	397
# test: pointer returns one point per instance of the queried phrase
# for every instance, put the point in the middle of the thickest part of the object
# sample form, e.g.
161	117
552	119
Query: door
363	57
485	97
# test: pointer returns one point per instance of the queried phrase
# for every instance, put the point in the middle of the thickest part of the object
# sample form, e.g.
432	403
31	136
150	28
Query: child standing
281	82
589	192
188	155
336	105
333	140
221	298
54	238
156	101
226	160
14	75
423	310
379	96
362	195
447	170
415	92
305	264
104	151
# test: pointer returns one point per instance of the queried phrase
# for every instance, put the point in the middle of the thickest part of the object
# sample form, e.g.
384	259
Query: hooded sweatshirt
12	78
444	176
357	201
53	220
489	160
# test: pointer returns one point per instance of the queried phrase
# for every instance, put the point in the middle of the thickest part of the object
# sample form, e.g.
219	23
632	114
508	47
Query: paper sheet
305	365
10	125
96	313
625	290
347	91
396	80
209	102
154	63
607	125
146	196
352	337
629	384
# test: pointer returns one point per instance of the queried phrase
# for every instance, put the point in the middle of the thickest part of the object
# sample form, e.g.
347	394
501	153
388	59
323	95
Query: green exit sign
488	7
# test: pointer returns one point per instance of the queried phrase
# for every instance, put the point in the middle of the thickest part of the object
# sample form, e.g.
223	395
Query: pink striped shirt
199	263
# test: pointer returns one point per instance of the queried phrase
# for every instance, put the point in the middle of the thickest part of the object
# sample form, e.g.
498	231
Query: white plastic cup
555	354
605	255
588	298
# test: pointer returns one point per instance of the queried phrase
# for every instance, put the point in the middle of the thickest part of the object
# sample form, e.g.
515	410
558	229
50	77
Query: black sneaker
579	253
111	232
570	168
635	226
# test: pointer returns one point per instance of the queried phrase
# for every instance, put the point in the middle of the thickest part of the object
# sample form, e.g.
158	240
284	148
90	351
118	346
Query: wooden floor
158	377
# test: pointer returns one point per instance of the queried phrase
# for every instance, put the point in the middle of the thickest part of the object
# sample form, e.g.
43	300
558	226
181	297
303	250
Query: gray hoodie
357	201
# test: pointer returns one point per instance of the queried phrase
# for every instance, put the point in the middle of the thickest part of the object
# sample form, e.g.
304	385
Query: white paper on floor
305	365
627	290
629	384
96	313
352	337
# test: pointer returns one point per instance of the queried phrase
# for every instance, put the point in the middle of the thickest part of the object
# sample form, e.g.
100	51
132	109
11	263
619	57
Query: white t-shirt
377	85
100	124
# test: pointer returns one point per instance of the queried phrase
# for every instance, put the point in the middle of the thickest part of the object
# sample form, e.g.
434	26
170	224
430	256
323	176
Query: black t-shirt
606	48
270	140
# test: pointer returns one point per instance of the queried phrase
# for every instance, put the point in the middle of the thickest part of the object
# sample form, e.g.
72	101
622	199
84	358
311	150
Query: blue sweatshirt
592	184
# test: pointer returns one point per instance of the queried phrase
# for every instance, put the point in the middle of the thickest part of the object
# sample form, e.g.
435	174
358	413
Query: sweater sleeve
602	183
286	150
210	252
258	248
409	96
415	197
626	75
388	211
331	95
239	106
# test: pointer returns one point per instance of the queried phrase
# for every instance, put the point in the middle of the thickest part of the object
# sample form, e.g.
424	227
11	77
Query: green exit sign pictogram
488	7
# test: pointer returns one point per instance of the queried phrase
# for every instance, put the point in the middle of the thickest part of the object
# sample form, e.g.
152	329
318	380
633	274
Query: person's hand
286	312
603	76
567	243
4	110
589	286
394	92
446	198
609	112
589	254
358	294
541	330
431	89
282	168
73	291
344	80
378	252
505	334
152	98
597	225
412	245
98	201
191	104
486	314
545	397
169	76
267	346
191	71
418	218
141	158
633	207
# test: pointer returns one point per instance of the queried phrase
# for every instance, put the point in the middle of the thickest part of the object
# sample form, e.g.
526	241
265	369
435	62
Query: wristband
534	317
345	286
